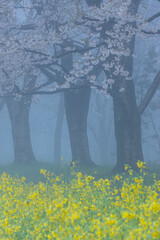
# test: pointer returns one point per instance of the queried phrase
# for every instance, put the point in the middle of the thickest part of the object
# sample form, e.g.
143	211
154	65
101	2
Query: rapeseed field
122	207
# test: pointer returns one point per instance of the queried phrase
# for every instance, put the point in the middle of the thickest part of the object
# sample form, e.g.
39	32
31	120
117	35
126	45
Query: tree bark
127	120
127	127
76	107
19	117
58	131
126	117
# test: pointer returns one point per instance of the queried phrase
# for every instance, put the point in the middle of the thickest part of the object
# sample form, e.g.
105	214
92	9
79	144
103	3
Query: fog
53	136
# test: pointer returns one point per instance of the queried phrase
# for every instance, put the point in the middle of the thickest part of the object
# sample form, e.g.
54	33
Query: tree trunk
126	117
2	102
127	120
76	107
107	138
19	116
127	127
58	131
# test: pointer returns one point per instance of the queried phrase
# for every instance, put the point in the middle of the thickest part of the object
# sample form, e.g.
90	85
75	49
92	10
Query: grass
61	203
32	172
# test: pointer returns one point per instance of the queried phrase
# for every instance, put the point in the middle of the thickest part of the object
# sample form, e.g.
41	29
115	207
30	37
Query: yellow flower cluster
84	208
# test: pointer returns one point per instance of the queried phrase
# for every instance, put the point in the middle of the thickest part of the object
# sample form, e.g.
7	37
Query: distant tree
101	128
2	103
58	131
145	70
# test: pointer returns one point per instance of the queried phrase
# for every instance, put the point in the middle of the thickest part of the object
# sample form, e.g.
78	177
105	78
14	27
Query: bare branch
149	94
151	33
27	27
71	88
150	19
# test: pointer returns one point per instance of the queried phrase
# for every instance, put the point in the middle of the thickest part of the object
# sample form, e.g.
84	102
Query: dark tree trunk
126	116
58	131
19	116
127	127
76	107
